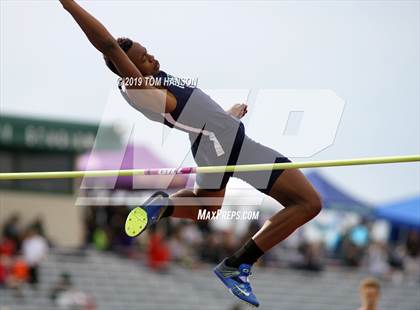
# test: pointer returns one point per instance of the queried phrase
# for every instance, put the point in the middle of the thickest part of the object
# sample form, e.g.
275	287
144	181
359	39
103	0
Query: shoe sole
230	291
136	222
137	219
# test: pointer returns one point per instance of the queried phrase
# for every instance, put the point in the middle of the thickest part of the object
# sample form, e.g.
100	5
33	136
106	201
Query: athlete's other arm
148	97
238	110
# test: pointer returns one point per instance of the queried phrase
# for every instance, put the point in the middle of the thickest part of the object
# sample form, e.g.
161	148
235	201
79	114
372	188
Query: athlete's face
146	63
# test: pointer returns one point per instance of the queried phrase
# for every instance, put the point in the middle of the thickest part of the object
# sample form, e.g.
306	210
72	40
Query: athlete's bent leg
187	203
301	201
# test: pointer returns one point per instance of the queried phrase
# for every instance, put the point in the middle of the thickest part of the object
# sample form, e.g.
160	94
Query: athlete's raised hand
238	110
156	101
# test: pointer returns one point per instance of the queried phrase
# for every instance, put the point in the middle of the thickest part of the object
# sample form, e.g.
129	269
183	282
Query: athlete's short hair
370	282
125	44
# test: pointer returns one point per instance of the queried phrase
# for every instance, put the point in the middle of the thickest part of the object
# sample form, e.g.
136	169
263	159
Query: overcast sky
366	52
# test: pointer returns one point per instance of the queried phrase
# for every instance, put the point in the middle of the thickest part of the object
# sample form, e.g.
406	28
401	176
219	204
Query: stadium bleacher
122	284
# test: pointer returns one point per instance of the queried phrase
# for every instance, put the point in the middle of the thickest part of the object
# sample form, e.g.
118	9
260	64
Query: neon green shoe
146	215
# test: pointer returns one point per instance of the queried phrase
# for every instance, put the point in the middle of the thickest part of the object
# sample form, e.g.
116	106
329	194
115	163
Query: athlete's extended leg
183	204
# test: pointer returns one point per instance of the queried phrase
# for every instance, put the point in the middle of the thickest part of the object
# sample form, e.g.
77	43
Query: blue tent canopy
335	198
402	213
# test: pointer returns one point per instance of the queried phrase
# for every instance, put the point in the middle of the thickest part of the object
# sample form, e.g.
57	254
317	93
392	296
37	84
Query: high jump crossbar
208	169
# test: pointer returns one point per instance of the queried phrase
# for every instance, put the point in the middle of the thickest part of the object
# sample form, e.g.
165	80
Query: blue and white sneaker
147	214
236	280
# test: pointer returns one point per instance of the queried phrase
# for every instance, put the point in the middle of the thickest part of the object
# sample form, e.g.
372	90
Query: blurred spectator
396	262
210	250
90	223
189	243
311	253
158	252
100	238
180	251
38	225
75	300
11	230
18	276
119	241
229	242
103	229
34	249
355	244
7	246
63	284
412	259
359	235
191	234
369	294
4	269
65	296
413	244
377	260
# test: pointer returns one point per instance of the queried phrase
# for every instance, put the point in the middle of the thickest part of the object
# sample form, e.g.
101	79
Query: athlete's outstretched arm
100	38
155	100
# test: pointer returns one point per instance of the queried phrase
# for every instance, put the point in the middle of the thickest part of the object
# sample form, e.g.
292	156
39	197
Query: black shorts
245	151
